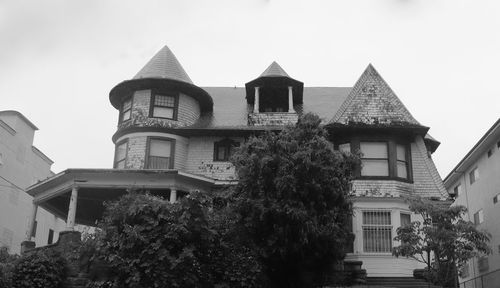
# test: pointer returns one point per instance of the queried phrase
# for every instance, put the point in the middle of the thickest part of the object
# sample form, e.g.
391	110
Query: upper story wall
185	110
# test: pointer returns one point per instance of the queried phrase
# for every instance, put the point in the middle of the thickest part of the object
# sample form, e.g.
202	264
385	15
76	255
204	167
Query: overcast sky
60	59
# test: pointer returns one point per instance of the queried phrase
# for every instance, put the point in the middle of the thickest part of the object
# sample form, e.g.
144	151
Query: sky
59	59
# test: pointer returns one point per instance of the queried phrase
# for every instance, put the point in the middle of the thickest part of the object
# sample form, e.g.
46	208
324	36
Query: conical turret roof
164	65
274	70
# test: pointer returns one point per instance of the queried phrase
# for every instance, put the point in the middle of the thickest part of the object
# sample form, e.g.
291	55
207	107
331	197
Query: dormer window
273	99
126	110
164	106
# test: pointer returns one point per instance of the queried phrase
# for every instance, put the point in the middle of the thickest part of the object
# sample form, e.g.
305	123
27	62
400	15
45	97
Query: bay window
380	159
160	153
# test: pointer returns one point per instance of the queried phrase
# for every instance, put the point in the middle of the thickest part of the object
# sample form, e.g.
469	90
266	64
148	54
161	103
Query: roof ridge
164	64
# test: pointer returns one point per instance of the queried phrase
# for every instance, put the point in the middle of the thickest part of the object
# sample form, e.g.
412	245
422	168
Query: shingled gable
164	65
372	102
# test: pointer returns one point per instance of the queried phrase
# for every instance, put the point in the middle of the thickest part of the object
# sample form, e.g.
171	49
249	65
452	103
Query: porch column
256	102
290	99
31	223
70	222
173	196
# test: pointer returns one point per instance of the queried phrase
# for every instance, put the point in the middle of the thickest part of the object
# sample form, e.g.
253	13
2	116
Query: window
482	264
160	153
121	154
473	175
377	231
495	199
457	190
51	237
405	219
490	152
164	106
223	150
402	162
126	110
478	217
346	147
33	232
375	159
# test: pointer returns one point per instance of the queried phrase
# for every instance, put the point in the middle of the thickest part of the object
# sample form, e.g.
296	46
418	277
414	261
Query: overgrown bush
149	242
6	266
39	269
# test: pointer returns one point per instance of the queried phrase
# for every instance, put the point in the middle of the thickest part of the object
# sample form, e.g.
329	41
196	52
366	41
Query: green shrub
6	266
39	269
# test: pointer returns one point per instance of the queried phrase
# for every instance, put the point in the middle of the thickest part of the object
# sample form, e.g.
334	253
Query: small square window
490	152
457	190
473	175
223	150
478	217
164	106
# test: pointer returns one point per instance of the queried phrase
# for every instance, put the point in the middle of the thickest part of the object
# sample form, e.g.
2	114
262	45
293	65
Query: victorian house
174	137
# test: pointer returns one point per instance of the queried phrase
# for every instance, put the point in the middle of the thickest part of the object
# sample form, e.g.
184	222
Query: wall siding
201	156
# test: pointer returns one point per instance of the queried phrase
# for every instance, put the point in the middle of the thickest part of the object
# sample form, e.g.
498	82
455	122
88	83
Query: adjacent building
174	137
475	184
22	165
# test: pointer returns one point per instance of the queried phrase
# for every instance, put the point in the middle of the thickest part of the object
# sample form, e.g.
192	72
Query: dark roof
231	109
164	65
274	70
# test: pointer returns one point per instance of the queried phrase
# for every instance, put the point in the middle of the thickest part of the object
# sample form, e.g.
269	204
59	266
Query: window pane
346	147
405	219
126	115
221	152
376	218
402	171
127	105
401	152
373	149
161	100
375	167
163	112
159	148
377	239
121	152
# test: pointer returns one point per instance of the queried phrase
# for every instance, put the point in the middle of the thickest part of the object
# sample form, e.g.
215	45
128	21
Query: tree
292	201
444	234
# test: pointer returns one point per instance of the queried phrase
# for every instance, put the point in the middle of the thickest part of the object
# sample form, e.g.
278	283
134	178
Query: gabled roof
372	102
274	70
164	65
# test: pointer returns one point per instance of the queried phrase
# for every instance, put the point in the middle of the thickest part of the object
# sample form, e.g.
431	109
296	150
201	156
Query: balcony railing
488	280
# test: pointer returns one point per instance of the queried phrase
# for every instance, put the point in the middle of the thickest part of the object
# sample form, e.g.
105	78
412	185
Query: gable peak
165	65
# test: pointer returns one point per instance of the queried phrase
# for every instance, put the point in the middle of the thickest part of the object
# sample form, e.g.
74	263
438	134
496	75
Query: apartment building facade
22	165
475	184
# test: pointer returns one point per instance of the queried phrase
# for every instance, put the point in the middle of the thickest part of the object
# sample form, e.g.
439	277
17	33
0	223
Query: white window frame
383	230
